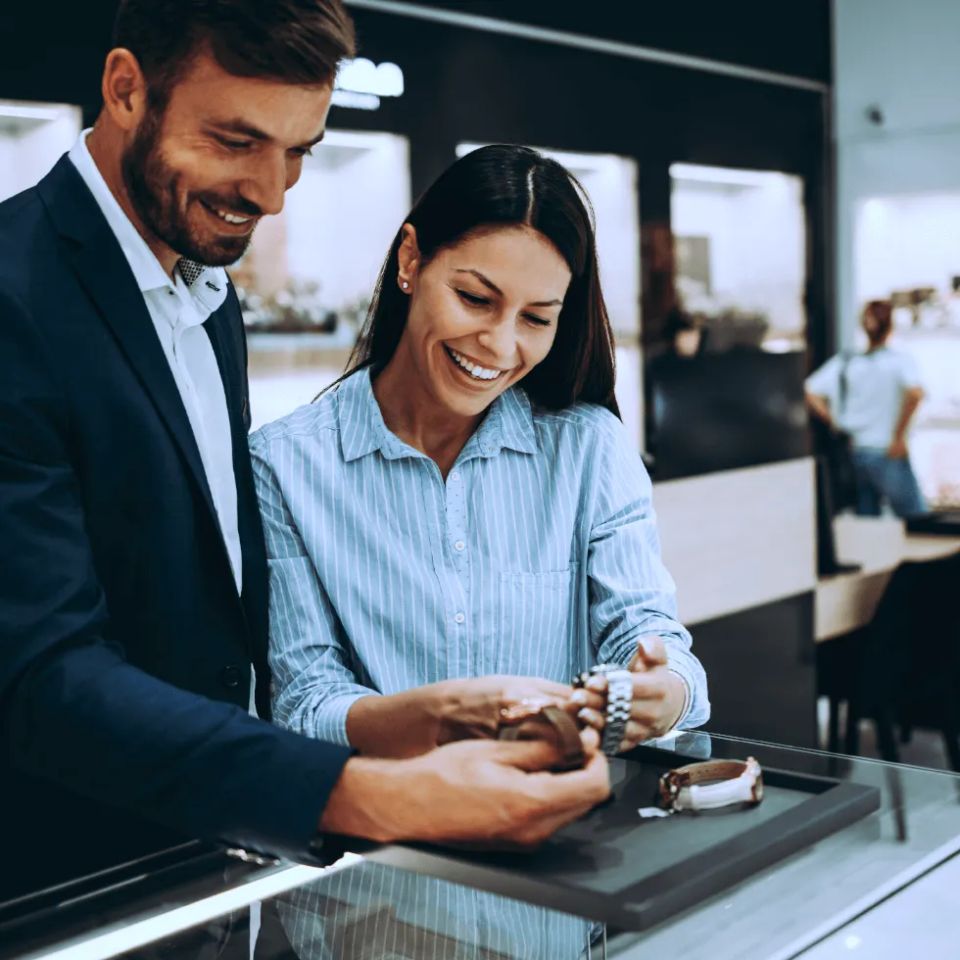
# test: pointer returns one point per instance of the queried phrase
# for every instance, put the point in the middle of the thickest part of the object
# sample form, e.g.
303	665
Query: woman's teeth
475	370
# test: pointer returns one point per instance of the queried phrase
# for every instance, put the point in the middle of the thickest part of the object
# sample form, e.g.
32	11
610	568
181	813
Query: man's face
220	156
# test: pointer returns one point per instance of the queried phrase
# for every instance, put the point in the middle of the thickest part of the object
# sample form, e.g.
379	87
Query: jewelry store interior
755	180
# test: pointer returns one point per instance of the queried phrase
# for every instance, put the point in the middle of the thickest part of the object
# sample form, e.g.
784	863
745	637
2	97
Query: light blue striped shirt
537	556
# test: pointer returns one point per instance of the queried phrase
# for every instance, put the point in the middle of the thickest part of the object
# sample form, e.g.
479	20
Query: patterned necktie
190	270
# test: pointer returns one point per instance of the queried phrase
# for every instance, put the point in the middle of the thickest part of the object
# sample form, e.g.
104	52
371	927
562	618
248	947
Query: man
872	398
133	590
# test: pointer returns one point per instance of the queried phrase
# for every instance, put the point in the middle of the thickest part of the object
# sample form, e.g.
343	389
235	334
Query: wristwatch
619	701
534	719
711	784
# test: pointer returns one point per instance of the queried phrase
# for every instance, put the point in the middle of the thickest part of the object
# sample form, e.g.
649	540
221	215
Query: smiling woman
461	524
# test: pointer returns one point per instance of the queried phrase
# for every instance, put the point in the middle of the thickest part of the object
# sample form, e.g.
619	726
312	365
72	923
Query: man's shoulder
25	238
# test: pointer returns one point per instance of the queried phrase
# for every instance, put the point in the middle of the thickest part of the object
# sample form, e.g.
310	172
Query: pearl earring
405	285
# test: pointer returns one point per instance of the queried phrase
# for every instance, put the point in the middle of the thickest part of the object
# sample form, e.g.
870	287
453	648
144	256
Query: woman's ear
408	258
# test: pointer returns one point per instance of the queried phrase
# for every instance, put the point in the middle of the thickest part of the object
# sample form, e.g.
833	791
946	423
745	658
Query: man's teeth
475	371
230	217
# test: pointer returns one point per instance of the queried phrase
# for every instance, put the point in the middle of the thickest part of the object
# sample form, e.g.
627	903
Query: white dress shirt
178	313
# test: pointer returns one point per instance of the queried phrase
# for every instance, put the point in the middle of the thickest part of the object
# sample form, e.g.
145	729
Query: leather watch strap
711	784
565	732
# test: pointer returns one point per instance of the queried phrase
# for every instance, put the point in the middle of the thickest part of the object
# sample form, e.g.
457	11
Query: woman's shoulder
315	421
587	422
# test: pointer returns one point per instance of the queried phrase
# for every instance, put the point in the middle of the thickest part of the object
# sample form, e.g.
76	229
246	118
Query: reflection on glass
740	254
907	249
373	911
33	136
305	282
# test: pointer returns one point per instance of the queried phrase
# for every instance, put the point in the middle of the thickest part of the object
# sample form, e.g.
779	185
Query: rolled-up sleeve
632	595
313	684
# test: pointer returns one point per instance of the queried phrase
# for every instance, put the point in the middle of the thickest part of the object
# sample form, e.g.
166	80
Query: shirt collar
509	423
211	287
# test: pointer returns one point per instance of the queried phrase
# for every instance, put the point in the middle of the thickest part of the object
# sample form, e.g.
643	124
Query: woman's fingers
592	718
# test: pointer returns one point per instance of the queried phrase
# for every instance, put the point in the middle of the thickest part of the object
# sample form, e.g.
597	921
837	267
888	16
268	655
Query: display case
740	251
179	903
33	136
306	280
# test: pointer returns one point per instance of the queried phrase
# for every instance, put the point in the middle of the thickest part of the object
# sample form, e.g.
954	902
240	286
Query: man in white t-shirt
872	397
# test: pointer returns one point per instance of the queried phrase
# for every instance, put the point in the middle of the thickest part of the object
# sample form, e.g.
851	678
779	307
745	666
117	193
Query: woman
466	504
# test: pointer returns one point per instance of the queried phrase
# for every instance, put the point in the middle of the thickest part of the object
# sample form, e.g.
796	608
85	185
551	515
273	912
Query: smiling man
133	600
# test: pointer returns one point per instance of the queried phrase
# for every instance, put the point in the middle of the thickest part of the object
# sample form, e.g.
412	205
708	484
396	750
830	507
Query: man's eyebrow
492	286
245	129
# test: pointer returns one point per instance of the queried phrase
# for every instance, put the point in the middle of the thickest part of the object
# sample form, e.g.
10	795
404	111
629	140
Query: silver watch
619	701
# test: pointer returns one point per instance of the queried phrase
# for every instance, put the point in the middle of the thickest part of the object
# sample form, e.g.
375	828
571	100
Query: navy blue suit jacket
125	650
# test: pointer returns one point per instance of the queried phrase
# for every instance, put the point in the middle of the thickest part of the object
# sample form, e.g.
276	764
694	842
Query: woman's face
482	314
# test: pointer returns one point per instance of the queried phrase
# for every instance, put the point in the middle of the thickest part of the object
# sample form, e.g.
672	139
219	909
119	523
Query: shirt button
459	618
459	545
454	475
230	677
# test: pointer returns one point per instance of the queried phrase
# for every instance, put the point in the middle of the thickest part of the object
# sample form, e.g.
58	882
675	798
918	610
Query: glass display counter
198	900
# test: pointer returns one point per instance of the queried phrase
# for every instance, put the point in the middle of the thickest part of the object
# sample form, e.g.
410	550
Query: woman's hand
473	708
658	696
410	723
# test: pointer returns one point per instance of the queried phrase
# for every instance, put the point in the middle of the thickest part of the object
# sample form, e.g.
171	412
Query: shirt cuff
687	697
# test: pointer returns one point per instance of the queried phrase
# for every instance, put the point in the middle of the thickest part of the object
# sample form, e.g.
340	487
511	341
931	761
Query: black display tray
629	872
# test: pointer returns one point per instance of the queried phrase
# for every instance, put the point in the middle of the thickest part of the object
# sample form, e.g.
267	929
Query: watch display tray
615	867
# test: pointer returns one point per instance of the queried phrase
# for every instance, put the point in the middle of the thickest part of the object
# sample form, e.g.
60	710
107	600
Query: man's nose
266	183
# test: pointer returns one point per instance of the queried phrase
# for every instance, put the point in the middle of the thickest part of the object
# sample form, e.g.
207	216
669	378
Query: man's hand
897	449
474	790
658	696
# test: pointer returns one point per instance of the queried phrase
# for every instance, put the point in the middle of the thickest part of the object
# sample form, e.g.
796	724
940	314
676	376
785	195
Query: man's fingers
571	793
530	756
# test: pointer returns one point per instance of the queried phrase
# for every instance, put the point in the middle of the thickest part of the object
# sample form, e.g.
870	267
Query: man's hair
292	41
881	311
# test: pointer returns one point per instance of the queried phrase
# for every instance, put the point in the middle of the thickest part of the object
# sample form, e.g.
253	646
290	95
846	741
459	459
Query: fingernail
578	696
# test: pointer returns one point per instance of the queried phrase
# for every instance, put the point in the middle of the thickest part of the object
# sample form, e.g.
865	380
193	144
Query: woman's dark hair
500	186
293	41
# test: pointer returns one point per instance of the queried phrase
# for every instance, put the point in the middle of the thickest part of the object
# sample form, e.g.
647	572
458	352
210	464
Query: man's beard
152	188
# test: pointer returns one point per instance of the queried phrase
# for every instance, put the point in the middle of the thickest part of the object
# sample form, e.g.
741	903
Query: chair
903	669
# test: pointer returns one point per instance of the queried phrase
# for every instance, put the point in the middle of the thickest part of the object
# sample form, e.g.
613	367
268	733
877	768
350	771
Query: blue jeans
880	478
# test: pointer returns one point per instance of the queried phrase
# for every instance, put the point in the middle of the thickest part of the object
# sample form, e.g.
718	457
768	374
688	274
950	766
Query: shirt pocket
537	636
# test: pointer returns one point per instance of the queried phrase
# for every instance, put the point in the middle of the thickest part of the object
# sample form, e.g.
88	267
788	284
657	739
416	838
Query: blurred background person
871	398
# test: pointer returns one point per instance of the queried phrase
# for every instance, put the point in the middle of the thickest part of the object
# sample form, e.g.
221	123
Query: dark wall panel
790	37
761	669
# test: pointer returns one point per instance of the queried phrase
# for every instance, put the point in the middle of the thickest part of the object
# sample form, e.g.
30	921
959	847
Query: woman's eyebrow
487	282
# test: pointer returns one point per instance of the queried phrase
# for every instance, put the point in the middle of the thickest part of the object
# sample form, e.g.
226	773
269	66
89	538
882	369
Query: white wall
902	58
757	239
29	148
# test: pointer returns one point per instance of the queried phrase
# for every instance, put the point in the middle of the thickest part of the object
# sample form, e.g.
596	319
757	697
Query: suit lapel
225	330
104	273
